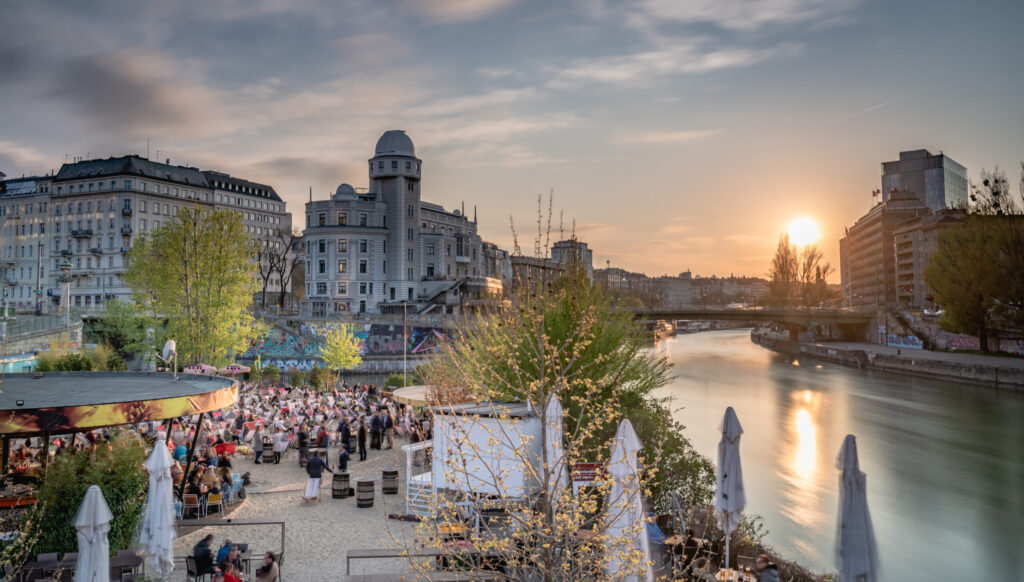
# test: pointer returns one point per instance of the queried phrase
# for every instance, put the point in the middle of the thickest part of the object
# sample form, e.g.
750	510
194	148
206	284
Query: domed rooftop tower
344	191
395	178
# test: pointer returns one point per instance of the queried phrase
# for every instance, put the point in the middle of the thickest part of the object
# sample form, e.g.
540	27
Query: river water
944	460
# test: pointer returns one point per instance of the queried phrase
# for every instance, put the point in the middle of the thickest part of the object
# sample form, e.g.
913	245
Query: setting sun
803	231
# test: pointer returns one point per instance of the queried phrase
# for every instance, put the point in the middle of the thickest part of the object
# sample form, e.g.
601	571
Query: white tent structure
625	527
93	525
730	498
856	550
156	536
554	450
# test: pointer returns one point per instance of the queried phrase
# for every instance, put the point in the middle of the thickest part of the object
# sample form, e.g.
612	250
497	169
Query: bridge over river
838	323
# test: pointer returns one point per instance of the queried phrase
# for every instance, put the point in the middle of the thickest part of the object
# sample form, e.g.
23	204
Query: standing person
389	428
361	440
303	441
323	441
346	434
343	460
257	444
280	445
376	427
315	468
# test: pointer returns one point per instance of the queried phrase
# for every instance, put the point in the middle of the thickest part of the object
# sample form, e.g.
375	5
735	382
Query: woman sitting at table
230	572
269	571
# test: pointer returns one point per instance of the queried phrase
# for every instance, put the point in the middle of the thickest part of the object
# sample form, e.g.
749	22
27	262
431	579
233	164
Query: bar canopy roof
65	402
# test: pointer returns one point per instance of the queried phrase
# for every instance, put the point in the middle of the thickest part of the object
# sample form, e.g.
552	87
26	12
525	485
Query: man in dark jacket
203	554
766	570
361	440
303	442
346	435
376	426
315	468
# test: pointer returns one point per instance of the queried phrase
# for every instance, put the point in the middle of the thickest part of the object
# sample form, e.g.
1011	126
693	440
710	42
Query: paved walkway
962	358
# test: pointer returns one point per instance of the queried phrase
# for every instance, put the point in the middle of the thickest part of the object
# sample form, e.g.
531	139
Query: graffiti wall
374	340
905	341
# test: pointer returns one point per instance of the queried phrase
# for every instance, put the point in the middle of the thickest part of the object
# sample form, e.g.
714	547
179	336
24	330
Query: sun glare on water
803	231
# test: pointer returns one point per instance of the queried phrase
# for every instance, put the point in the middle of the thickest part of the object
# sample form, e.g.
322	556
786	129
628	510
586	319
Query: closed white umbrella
729	496
625	528
156	536
93	524
856	551
558	476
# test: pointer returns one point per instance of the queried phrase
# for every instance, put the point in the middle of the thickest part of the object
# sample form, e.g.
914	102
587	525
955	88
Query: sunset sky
675	133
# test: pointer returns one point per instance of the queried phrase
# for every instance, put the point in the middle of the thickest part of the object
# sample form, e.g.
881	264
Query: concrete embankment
989	370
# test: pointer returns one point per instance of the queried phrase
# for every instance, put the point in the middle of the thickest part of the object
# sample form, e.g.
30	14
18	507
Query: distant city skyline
676	134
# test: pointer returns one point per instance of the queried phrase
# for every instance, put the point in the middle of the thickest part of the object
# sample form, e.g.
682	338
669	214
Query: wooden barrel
339	486
364	493
389	482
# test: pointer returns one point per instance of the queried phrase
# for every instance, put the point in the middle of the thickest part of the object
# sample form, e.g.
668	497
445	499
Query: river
944	460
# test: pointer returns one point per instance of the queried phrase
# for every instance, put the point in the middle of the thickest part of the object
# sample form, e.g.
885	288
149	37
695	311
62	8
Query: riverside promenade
998	371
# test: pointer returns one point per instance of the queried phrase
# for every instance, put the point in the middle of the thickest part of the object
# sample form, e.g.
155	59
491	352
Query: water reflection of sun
802	472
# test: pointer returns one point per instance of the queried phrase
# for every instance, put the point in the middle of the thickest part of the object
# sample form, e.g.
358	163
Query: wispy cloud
454	11
460	105
742	15
663	137
685	58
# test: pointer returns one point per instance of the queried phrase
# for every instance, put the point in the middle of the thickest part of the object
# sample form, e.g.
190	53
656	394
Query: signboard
584	474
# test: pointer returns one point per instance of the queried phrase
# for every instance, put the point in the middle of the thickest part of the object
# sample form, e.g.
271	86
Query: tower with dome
382	249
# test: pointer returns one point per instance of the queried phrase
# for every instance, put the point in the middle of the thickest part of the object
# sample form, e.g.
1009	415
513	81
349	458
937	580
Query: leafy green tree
117	469
123	328
340	351
296	377
272	374
196	272
99	359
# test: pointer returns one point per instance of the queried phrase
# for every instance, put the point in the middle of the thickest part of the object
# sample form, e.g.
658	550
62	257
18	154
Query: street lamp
65	269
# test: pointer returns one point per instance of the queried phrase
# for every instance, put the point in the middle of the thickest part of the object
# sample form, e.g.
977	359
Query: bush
99	359
320	378
116	467
296	377
272	374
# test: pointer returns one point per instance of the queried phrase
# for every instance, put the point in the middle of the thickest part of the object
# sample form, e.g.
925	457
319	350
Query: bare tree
268	262
290	260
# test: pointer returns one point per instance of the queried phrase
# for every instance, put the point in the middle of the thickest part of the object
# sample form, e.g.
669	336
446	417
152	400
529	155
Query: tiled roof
267	191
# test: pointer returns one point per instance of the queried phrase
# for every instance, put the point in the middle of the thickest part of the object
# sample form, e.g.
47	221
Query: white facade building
374	250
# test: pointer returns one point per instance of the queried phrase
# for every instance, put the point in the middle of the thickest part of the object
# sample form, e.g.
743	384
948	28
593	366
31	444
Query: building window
409	274
362	245
384	221
380	165
362	220
430	249
343	266
408	165
394	164
321	288
362	288
342	288
322	219
408	210
127	184
408	254
342	245
321	246
410	292
362	266
409	234
430	269
321	266
342	218
410	187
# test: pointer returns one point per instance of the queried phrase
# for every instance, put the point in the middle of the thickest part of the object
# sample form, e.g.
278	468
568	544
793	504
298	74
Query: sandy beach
317	534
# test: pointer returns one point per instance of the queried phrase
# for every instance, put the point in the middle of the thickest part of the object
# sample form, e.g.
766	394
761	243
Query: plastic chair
192	571
214	500
236	486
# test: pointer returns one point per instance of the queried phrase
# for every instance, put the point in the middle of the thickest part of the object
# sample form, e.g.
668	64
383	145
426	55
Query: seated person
701	570
230	572
203	555
269	571
765	570
180	452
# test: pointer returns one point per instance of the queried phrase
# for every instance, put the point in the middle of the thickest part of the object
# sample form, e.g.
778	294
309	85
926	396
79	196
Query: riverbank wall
911	362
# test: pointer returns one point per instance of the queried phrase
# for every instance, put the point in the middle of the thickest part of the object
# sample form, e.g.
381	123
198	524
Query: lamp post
405	341
65	269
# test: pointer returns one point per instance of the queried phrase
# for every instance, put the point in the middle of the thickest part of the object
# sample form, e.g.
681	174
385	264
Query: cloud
679	59
27	159
455	11
742	15
662	137
460	105
136	94
495	72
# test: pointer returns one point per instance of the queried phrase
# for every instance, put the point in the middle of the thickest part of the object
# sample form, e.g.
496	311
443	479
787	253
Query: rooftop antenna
474	213
310	193
147	148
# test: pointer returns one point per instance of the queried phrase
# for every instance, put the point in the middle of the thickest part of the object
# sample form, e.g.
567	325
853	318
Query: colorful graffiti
374	340
905	341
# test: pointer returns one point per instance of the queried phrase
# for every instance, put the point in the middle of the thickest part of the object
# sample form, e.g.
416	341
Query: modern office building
91	212
938	181
383	249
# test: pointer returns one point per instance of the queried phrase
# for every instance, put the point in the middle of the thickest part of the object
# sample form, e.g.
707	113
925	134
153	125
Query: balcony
96	251
125	249
66	253
126	212
82	233
126	229
462	258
